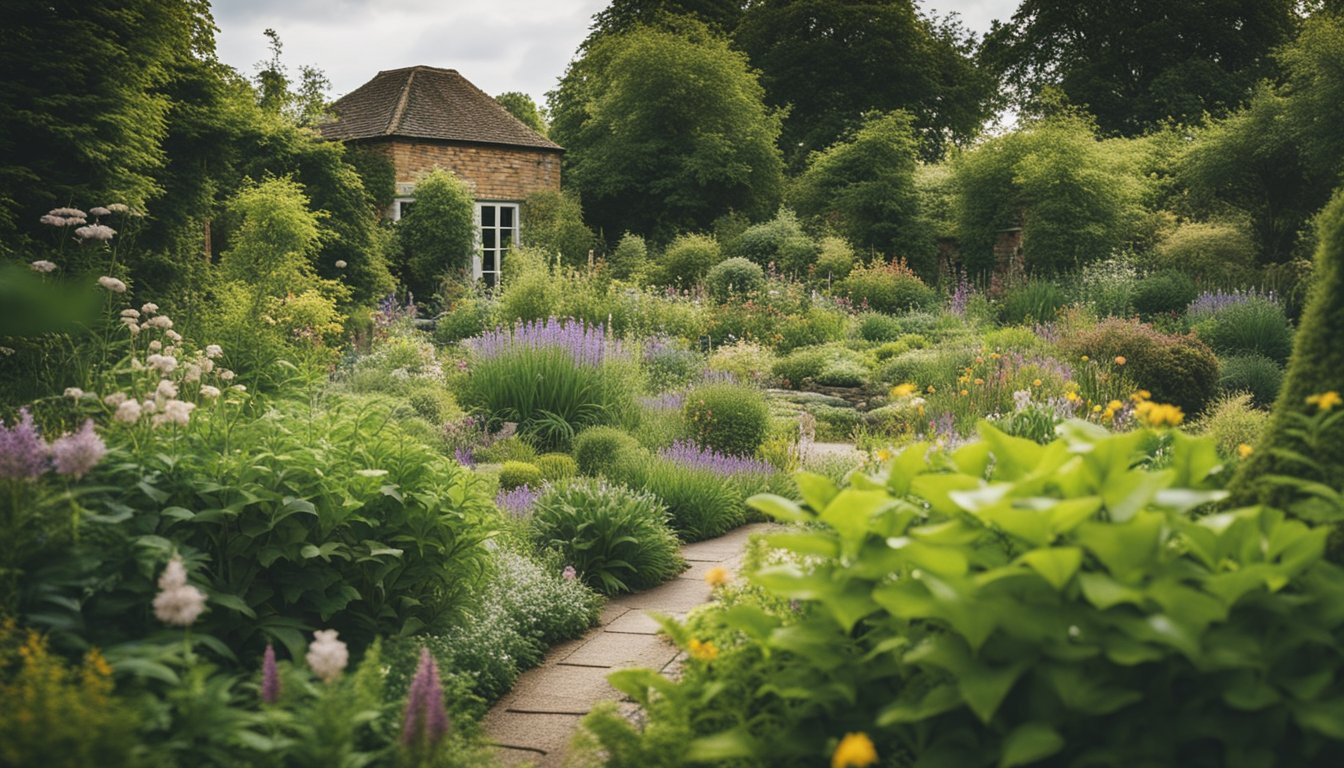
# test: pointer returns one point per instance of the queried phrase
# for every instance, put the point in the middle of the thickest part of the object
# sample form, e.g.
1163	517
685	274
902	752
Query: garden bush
703	490
1252	327
551	378
780	241
1232	421
1255	375
617	539
835	260
598	449
556	466
516	474
1212	252
1177	369
630	258
1102	625
734	277
1034	301
668	364
1167	292
687	260
466	317
813	325
728	418
875	326
937	366
745	361
1107	286
829	365
891	288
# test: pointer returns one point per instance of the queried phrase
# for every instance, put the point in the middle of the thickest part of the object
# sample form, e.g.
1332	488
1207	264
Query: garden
1047	424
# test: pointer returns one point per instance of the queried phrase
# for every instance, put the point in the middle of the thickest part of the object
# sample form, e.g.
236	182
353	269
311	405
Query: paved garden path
536	720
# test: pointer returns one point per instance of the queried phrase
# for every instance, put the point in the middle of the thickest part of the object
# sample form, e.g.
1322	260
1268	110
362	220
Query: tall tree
521	106
1135	65
666	132
830	61
622	16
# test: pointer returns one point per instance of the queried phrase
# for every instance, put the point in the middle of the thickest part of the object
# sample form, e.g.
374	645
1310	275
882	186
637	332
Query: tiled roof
427	103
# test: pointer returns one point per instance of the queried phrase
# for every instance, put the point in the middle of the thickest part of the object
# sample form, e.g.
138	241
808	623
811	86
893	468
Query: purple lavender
23	452
1209	303
656	346
390	312
517	502
586	344
667	401
961	295
687	454
465	456
270	678
76	454
426	718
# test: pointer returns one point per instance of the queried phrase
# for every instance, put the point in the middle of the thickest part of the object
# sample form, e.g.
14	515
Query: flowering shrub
745	361
1176	369
727	418
891	287
1010	603
703	492
1244	327
616	538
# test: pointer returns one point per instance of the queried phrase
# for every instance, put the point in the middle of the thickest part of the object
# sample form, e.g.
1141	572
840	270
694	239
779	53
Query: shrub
804	365
835	260
630	257
530	292
687	260
555	225
728	418
598	449
616	538
1255	375
506	449
1177	369
700	504
745	361
1164	293
557	466
1013	339
436	234
668	364
937	366
1107	286
1256	326
875	326
1034	301
780	241
551	379
891	288
1232	421
1213	252
955	629
736	276
814	325
515	474
465	318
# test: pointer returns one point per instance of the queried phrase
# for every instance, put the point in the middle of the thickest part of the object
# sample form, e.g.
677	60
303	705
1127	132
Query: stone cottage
425	117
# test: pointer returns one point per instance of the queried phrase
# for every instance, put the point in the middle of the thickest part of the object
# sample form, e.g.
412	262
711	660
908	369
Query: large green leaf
1029	743
736	744
1057	566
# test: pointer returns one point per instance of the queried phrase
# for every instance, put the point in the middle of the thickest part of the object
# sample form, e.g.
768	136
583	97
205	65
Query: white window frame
395	213
478	271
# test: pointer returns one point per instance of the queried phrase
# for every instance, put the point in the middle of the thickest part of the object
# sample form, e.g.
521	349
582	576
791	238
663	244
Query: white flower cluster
327	656
178	603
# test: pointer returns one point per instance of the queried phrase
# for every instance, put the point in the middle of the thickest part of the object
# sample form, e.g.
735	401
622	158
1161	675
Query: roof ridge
400	111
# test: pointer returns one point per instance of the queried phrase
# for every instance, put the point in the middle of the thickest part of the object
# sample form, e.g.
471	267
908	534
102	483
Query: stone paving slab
543	735
638	622
676	596
559	689
613	650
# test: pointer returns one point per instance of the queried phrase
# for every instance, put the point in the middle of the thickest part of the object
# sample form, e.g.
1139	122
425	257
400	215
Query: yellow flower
965	392
1096	409
1120	360
1115	405
1141	395
1072	396
1159	414
1036	383
1086	358
963	379
978	382
717	576
705	651
979	360
856	750
1245	450
995	356
1325	401
903	390
931	389
883	454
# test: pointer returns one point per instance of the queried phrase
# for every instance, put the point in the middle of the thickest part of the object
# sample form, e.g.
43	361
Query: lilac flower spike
587	344
426	718
270	678
23	452
692	456
76	454
517	503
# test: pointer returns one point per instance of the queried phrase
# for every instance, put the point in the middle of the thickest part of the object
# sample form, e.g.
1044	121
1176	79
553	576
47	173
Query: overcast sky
500	45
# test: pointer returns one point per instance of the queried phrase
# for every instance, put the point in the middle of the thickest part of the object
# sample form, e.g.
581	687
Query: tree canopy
521	106
1135	65
665	132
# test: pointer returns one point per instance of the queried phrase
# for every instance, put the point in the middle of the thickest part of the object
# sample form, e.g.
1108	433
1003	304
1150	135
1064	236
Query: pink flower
426	719
76	454
23	452
569	573
270	678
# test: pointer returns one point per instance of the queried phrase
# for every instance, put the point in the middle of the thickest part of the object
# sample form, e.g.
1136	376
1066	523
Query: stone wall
494	172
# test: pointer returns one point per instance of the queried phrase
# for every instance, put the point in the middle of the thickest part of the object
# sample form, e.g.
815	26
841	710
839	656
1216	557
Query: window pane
488	261
488	238
405	208
506	216
505	239
487	215
489	279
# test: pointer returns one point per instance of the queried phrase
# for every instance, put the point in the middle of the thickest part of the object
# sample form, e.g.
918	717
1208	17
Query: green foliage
1180	370
745	361
1198	58
970	611
1074	196
554	466
1255	326
700	503
1107	286
937	366
514	474
835	259
599	449
875	326
889	287
629	257
1036	300
1168	292
466	317
780	241
1315	368
864	189
437	235
522	107
666	131
1256	375
734	277
727	418
830	365
830	63
1213	253
616	538
555	226
687	260
1232	421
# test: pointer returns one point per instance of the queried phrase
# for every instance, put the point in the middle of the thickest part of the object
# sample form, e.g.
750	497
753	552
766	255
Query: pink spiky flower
426	718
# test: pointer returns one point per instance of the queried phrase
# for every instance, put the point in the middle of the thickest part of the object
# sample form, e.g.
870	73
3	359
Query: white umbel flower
178	603
128	412
112	284
213	351
327	656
